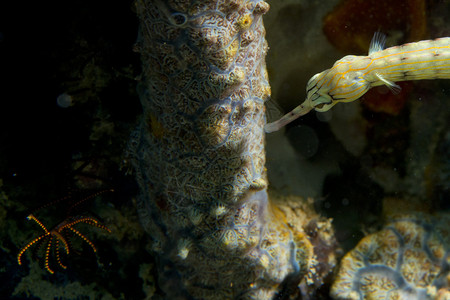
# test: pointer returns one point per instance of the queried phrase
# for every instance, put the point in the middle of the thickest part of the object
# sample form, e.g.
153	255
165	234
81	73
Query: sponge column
199	152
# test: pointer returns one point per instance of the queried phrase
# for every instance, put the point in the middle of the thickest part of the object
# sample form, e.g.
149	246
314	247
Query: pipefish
352	76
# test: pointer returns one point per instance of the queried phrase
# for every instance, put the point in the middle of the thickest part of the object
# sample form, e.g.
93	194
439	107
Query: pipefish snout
352	76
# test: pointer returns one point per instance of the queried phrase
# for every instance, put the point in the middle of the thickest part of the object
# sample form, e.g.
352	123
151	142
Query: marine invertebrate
52	238
352	76
60	235
407	259
199	154
64	100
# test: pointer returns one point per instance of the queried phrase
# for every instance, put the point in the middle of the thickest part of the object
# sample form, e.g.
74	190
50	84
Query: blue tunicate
64	100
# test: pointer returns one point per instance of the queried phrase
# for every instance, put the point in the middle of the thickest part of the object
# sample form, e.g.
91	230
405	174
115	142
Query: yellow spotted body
352	76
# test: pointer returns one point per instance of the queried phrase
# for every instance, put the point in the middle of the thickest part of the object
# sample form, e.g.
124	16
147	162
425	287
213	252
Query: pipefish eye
322	103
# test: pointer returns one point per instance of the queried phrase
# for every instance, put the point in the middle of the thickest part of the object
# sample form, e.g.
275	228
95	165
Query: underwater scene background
347	204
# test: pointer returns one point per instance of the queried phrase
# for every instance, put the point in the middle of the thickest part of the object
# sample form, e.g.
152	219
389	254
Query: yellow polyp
195	216
227	81
259	183
237	76
219	210
156	127
278	214
183	248
230	239
226	55
244	22
264	261
232	49
183	253
265	92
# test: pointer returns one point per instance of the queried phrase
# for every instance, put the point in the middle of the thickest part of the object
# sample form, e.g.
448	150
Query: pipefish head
344	82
